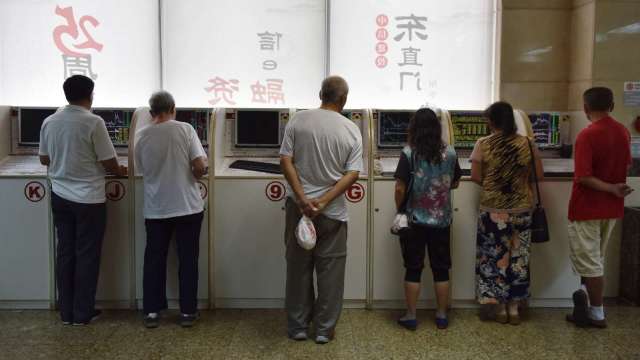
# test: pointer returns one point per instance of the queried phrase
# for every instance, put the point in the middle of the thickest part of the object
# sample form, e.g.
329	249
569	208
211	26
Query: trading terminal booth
249	205
29	229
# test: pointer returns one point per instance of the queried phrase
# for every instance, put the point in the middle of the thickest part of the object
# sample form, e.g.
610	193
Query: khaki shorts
587	244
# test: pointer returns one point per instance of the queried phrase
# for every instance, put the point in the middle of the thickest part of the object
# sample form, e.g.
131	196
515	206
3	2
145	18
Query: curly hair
425	136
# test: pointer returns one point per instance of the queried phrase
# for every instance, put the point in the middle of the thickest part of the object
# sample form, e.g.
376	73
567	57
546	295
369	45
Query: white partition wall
115	42
243	53
114	283
25	266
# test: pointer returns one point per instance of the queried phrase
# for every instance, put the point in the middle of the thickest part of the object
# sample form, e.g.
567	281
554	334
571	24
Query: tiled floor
361	334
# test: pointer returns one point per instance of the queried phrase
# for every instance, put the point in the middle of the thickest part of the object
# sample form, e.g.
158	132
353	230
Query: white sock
584	287
408	316
596	312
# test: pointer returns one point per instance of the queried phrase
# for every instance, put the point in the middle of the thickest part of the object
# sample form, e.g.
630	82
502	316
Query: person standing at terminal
432	169
171	159
76	147
602	159
501	165
321	157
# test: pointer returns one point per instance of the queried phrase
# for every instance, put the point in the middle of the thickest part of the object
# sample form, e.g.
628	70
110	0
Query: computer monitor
198	118
392	128
257	128
468	127
118	123
29	123
546	129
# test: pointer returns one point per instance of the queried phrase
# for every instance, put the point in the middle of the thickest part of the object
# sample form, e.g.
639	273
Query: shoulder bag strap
535	173
407	192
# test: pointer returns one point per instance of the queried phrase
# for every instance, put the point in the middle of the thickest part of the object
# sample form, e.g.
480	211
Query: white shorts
587	245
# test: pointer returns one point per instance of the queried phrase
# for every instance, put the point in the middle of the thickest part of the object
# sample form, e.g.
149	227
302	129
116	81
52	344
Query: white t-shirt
324	145
76	140
163	155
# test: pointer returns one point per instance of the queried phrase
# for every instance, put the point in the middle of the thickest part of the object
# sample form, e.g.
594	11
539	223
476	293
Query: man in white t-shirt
77	149
171	158
321	157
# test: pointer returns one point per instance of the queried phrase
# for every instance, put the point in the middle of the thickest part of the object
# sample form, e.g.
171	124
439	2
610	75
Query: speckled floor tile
361	334
46	351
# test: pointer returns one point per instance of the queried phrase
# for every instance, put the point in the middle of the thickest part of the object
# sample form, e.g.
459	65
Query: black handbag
539	226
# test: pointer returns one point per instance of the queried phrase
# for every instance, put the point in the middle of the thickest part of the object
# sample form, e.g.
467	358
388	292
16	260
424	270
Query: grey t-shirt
324	146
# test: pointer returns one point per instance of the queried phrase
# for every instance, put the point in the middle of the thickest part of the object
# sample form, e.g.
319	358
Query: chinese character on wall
76	55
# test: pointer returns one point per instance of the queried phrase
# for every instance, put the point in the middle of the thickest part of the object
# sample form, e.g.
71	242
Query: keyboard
256	166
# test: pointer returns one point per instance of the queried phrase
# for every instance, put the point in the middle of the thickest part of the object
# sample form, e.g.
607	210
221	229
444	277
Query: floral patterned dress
504	221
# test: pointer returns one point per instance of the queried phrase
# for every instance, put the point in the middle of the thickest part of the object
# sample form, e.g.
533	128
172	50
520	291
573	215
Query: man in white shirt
76	148
171	158
321	157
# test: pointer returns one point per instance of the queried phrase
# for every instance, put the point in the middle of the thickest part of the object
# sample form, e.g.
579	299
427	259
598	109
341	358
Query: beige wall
534	53
553	50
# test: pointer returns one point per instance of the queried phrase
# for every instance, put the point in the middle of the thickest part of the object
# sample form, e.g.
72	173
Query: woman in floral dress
501	165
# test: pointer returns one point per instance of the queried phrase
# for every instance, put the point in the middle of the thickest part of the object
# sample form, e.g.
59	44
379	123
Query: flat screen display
199	119
468	127
258	128
30	123
392	128
118	123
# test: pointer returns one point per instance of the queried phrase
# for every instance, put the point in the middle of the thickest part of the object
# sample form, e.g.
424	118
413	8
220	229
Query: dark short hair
78	88
598	98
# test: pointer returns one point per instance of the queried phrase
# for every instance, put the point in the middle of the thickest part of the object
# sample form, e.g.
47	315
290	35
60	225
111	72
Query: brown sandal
502	318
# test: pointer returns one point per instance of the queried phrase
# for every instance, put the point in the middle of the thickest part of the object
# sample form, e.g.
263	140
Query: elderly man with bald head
321	157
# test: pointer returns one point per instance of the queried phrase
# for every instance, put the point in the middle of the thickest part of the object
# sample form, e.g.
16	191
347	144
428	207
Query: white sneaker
321	339
301	336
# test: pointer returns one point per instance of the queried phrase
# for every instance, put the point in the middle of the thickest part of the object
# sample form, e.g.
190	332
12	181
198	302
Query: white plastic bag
400	224
306	233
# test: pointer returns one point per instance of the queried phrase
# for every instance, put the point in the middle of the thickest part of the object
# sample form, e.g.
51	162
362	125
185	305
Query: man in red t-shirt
602	160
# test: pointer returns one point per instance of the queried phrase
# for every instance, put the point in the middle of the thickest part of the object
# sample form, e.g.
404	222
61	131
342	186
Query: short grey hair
161	102
333	89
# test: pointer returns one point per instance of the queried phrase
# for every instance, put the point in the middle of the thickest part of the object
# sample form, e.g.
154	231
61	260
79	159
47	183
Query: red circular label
382	48
381	61
114	190
203	190
34	191
355	194
275	191
382	34
382	20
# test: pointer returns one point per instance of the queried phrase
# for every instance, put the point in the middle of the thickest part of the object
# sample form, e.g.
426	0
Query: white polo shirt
163	155
76	140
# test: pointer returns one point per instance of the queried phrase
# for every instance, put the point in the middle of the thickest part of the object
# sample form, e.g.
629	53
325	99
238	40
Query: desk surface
29	166
552	167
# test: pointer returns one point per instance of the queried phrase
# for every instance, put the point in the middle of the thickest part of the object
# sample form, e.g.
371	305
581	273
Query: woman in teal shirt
435	173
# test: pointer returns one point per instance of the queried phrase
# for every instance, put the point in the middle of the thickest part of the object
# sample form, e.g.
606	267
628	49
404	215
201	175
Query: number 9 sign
275	191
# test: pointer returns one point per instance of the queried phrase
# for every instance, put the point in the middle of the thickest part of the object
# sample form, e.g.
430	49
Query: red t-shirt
602	150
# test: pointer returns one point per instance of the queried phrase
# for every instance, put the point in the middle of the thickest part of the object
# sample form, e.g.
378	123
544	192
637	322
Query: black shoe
580	315
94	317
188	320
151	320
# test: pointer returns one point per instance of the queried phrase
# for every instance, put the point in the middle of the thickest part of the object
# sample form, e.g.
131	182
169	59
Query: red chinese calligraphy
222	89
272	93
72	29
